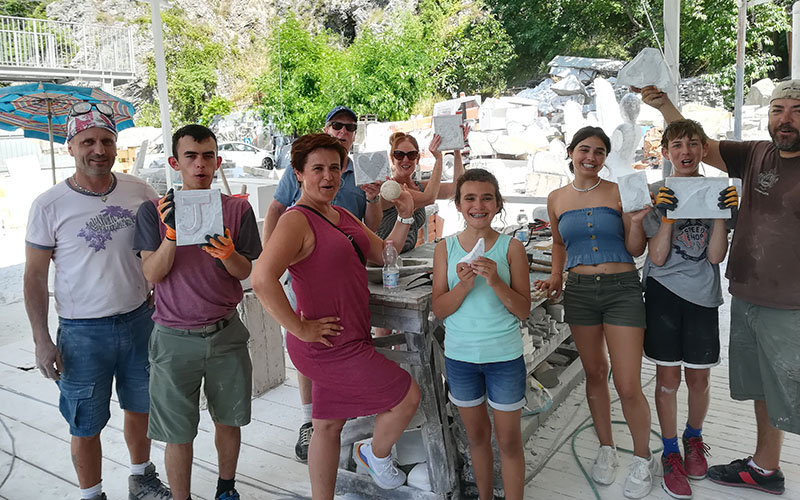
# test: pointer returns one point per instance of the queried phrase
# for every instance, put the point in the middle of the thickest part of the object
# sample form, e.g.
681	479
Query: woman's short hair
583	134
304	145
479	175
399	137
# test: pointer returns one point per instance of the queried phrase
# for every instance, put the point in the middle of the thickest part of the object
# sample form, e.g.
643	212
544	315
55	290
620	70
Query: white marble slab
634	192
198	212
449	127
698	197
370	167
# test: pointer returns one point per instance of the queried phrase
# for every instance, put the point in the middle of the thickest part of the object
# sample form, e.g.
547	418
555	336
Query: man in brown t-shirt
765	310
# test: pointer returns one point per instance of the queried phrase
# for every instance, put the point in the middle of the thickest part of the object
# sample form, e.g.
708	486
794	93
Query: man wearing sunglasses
362	201
85	225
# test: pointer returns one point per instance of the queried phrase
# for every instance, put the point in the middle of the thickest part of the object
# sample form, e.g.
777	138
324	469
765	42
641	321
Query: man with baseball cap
85	225
361	201
762	266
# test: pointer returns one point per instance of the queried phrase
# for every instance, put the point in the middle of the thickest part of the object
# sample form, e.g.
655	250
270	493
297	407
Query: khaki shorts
764	349
179	361
611	299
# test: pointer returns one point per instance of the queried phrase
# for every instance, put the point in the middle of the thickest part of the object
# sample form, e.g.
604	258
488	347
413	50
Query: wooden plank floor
267	468
729	429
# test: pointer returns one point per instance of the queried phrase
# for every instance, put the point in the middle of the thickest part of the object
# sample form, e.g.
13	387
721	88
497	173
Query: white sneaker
604	468
640	477
383	471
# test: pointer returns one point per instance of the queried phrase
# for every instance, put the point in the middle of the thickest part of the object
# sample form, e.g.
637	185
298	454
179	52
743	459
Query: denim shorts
611	299
95	352
504	381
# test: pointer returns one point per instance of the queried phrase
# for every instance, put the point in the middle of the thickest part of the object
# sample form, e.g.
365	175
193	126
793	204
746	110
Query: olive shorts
179	361
597	299
764	353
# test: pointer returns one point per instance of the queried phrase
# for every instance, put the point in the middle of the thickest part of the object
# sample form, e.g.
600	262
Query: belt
208	330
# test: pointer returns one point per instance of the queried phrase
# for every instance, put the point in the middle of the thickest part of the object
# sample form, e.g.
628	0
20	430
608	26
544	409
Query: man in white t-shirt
85	225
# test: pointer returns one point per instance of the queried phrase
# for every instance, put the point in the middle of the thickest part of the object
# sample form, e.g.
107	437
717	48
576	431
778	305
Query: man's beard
789	144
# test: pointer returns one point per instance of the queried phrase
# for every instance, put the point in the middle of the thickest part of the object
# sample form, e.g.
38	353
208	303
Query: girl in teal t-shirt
482	302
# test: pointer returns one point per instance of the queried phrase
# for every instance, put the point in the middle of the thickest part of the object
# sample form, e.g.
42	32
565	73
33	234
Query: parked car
246	155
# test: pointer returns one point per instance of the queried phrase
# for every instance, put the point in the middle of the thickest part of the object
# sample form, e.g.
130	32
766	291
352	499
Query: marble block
634	192
698	197
449	128
198	212
370	167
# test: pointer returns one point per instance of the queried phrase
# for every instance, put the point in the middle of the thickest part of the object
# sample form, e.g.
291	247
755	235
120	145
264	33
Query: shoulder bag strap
349	238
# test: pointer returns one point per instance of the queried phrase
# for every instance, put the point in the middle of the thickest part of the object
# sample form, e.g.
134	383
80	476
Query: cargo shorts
763	365
180	360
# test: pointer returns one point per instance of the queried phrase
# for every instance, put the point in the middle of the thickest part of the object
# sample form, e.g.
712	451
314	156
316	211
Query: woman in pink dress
325	248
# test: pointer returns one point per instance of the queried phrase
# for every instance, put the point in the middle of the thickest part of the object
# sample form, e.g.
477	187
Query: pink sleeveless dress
349	379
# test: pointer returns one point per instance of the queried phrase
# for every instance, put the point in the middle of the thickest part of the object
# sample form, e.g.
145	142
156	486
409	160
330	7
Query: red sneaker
675	482
696	451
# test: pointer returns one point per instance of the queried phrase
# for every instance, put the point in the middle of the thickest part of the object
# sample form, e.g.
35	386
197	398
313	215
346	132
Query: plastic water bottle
391	269
522	233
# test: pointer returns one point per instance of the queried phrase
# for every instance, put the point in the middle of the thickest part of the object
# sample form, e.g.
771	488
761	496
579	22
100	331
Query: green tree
192	59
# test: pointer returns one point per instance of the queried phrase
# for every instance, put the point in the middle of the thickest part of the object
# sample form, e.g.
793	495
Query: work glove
219	247
728	198
166	210
666	200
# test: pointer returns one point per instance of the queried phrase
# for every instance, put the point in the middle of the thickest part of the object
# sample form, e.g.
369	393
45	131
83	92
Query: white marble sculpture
370	167
198	212
625	139
477	252
449	128
698	197
634	192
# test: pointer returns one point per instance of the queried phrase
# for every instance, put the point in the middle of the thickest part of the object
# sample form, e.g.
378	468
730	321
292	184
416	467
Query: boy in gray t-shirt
682	294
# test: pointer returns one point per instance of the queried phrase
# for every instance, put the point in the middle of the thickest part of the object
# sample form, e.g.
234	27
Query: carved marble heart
370	167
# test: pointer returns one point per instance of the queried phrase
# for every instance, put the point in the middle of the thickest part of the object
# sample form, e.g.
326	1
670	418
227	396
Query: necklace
103	195
585	190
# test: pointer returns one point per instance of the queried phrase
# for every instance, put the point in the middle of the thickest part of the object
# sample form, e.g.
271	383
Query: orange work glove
166	210
728	198
219	247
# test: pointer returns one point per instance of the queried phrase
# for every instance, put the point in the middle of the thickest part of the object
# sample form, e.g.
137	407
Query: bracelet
405	220
374	200
664	220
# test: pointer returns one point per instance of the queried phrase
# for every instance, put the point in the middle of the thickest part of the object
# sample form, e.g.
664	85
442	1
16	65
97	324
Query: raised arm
652	96
404	204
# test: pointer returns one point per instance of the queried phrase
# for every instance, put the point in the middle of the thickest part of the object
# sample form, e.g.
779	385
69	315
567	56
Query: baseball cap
91	119
790	89
341	109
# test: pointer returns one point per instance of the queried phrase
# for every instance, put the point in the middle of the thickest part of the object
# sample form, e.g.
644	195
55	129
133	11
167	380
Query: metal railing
43	43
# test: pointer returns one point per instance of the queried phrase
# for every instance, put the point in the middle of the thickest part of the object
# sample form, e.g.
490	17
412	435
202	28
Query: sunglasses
399	155
351	127
81	108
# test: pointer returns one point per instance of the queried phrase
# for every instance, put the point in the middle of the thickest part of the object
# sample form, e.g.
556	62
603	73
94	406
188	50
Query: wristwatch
401	220
373	200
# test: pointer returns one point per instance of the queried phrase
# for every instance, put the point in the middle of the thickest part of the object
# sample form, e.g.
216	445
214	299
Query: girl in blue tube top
603	302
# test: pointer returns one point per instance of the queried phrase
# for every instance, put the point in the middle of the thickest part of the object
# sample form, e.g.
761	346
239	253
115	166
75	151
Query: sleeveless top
592	236
349	379
390	217
481	330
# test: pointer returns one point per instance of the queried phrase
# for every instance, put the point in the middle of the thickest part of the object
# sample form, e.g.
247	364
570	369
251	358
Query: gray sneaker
101	496
147	486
